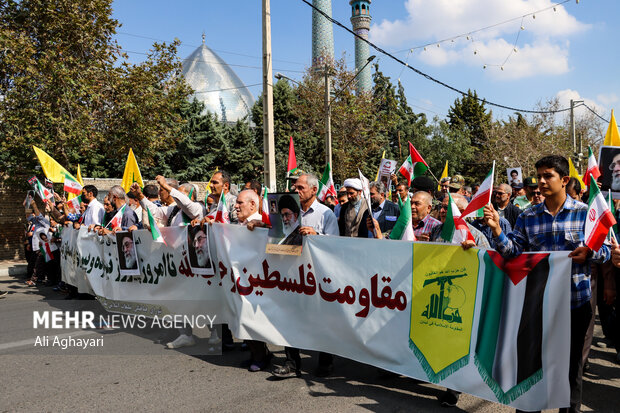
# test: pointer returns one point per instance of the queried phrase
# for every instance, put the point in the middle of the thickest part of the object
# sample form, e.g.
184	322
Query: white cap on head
354	183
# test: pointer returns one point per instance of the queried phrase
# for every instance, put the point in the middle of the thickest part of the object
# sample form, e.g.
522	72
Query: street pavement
153	379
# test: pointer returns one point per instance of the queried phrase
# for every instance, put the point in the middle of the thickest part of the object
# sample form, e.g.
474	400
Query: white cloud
607	99
566	95
542	47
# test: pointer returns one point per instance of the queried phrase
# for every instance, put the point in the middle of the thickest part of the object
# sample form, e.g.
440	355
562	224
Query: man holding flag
557	224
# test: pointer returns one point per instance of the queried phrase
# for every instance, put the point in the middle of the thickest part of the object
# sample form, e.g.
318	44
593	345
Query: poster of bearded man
285	218
127	258
609	165
198	249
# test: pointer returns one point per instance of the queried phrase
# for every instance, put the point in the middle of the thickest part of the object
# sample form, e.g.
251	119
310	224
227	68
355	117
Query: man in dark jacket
385	212
505	208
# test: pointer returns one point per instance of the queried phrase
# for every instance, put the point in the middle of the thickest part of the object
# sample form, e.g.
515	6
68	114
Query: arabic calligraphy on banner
410	308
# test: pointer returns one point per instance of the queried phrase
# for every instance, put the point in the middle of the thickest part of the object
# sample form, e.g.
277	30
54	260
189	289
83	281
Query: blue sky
571	53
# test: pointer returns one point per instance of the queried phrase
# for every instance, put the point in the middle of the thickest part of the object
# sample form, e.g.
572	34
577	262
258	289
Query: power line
592	110
229	88
427	76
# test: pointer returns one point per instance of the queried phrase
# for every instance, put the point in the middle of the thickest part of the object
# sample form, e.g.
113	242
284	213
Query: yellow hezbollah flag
52	169
572	172
443	298
132	172
444	174
612	138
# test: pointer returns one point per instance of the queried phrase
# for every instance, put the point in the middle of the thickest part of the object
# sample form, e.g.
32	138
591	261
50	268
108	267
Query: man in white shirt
94	211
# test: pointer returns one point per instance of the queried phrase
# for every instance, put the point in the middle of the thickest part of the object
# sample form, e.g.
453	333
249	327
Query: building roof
217	85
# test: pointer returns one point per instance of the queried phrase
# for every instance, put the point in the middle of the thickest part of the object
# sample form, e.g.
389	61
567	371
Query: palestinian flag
524	308
326	185
221	214
592	168
72	185
403	229
455	229
265	208
75	203
115	222
482	197
413	166
155	232
599	219
46	251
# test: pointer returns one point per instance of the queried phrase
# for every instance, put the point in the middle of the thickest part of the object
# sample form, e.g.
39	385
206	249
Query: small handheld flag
413	166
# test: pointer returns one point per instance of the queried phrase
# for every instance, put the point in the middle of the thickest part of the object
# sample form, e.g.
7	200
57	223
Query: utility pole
268	138
328	120
576	155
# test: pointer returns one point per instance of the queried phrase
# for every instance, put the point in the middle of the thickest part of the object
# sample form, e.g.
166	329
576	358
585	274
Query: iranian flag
75	202
43	192
265	208
221	214
482	197
46	251
326	185
118	217
599	219
592	168
72	185
155	232
413	166
403	229
292	160
455	230
524	312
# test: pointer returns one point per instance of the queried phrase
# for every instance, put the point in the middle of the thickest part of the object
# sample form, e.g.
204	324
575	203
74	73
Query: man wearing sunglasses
501	202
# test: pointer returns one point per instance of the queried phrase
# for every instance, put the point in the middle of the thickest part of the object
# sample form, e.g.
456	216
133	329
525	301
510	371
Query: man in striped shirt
423	223
557	224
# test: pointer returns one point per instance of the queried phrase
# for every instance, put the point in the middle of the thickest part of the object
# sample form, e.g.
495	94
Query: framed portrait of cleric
127	257
609	164
515	176
285	217
198	250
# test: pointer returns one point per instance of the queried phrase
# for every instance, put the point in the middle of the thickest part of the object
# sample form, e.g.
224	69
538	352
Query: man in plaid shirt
557	225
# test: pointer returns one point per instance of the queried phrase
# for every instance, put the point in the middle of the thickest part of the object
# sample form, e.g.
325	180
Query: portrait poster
515	176
198	250
609	164
386	169
285	217
127	257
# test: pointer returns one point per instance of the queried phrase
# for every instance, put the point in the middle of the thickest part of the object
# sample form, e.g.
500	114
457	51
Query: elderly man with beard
614	167
289	211
383	211
461	203
129	220
350	222
501	202
129	252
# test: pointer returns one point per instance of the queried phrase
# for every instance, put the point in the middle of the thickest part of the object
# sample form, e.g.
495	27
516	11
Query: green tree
67	88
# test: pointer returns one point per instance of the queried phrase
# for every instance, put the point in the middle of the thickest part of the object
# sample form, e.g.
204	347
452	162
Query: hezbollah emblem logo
442	307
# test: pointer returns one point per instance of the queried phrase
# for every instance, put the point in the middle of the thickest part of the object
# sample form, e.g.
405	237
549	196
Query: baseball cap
530	181
457	181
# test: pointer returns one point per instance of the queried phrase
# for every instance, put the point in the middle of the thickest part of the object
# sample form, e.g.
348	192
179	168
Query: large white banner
467	320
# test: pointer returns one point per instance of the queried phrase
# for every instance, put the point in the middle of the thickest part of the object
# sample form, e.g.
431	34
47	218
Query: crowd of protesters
533	215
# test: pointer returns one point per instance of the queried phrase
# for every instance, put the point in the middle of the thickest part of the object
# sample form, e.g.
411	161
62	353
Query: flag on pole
365	189
52	169
79	175
403	229
592	168
44	193
118	218
326	185
155	232
455	230
599	219
379	168
612	138
482	197
614	229
131	173
572	172
75	202
413	166
221	214
292	160
444	174
72	185
265	208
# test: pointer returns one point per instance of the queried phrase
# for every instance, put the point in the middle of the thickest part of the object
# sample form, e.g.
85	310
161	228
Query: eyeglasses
537	193
500	193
